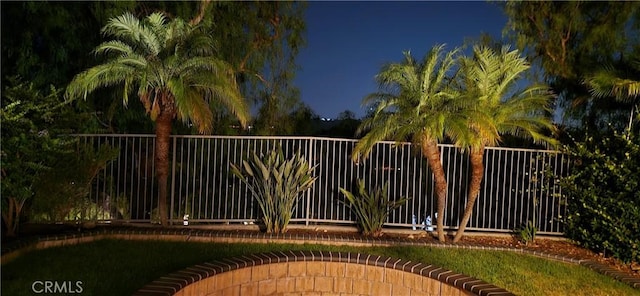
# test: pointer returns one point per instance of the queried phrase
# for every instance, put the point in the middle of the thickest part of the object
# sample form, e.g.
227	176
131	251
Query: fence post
311	164
173	178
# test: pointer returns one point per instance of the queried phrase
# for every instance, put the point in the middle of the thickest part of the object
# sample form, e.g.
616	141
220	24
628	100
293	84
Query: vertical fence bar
173	177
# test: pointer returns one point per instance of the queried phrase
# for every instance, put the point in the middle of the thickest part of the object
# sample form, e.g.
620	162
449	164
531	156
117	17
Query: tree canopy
259	39
571	40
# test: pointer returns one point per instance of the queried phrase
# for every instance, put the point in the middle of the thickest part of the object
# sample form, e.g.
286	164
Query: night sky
348	43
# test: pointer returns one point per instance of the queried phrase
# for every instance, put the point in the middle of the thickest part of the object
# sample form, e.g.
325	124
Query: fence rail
518	184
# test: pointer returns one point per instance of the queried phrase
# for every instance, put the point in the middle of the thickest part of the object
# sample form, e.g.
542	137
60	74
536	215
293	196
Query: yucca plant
275	183
371	208
527	233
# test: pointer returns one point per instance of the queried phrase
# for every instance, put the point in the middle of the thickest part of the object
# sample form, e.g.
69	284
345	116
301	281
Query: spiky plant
276	184
371	208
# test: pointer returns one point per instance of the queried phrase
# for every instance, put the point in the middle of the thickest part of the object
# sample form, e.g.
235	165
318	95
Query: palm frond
191	106
413	97
221	87
126	27
487	82
108	74
381	128
609	83
116	47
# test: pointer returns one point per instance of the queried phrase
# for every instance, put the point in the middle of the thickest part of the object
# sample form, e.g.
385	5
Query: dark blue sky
348	43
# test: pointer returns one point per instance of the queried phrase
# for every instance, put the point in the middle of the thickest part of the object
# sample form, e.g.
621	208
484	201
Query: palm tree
173	68
488	82
624	86
414	103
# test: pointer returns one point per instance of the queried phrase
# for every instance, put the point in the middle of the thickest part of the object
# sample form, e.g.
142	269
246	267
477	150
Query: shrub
603	195
33	128
527	233
61	193
275	183
371	209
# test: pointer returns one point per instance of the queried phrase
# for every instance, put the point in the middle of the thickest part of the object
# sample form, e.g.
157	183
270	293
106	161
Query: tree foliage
571	40
620	82
61	193
51	50
173	68
56	43
266	59
494	106
33	129
259	39
603	193
415	102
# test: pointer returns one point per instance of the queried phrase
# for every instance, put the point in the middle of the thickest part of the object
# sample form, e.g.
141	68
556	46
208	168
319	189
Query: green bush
371	209
603	195
61	193
527	233
34	123
275	183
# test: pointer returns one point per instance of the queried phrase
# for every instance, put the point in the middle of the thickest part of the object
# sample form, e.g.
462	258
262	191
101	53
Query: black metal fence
518	184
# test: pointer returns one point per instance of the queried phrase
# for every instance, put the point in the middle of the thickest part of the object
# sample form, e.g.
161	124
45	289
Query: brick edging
174	282
15	249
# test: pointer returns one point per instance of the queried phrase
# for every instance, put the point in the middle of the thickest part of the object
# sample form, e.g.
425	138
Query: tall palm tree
623	86
173	67
414	103
488	82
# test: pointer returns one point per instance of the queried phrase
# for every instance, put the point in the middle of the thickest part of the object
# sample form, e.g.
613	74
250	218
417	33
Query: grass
114	267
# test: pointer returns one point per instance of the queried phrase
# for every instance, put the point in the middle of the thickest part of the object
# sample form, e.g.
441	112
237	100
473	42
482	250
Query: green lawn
114	267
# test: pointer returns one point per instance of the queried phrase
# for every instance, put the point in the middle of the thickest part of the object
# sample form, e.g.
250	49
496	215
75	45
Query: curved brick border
172	284
17	248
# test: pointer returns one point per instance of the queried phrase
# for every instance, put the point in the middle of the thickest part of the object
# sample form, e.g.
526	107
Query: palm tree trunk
432	153
163	133
477	172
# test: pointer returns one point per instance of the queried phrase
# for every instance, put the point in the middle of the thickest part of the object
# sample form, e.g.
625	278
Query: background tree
34	126
344	126
571	40
175	70
621	82
414	103
489	83
48	51
259	39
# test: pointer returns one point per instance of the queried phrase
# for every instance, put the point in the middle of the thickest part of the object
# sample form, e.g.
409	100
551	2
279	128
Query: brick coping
14	249
174	282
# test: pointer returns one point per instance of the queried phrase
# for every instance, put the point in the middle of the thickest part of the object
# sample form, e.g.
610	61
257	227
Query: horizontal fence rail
518	184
